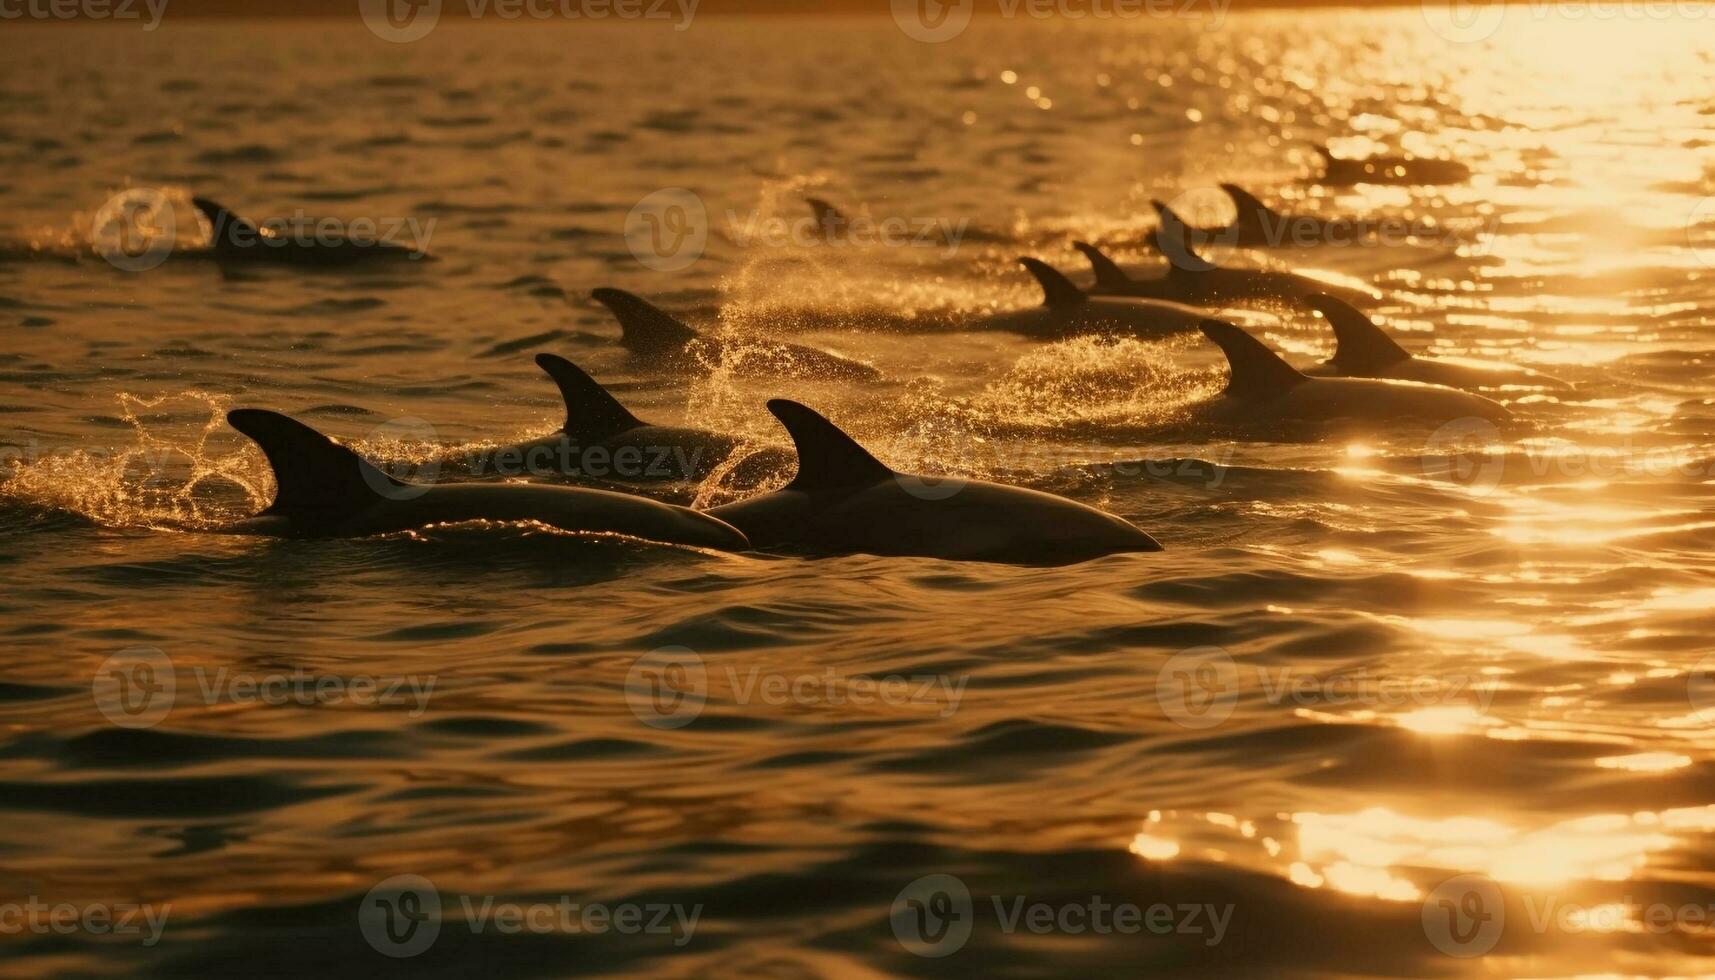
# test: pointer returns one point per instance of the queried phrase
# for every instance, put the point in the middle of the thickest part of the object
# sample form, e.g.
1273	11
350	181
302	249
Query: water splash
167	479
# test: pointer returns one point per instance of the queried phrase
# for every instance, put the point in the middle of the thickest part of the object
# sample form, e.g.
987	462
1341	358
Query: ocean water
1389	703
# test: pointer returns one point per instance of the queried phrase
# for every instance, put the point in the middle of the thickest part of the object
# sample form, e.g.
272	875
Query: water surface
1365	665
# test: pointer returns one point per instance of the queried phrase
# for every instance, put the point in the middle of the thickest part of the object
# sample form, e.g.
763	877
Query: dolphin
845	501
1362	350
1256	225
602	442
1264	389
651	333
236	239
323	489
1199	281
831	222
1068	311
1404	169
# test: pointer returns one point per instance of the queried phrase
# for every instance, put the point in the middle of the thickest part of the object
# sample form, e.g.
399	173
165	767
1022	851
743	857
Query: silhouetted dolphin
1405	169
1111	280
831	222
324	489
845	501
1068	311
237	239
1362	350
1256	225
649	332
1199	281
1263	388
602	442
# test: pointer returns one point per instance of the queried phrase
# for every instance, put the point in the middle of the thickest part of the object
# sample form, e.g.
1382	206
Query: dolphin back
1108	275
644	327
591	412
1257	372
828	459
1058	292
315	479
1359	345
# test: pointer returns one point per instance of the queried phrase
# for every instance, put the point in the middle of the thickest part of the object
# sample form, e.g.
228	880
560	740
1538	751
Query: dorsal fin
1057	291
313	475
1359	345
223	223
1107	273
829	219
827	458
1173	241
1252	212
591	413
644	327
1257	372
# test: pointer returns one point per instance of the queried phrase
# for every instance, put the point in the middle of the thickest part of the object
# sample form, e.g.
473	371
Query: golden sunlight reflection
1449	720
1358	851
1154	848
1379	852
1645	762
